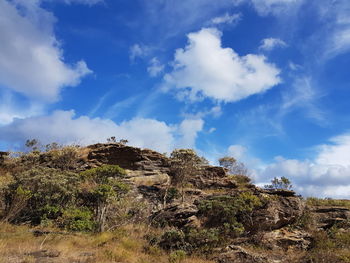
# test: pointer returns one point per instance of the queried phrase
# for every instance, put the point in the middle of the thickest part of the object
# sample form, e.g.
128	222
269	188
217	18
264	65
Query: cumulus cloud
328	175
155	67
271	43
31	60
226	19
205	69
63	127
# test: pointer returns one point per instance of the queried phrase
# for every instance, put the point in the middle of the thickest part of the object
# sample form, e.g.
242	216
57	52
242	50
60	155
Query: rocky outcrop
178	215
127	157
286	238
278	211
326	217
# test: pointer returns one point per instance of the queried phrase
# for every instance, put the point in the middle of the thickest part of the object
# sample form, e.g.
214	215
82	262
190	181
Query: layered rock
326	217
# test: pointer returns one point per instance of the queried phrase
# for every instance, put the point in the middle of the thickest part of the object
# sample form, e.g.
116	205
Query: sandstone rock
178	215
326	217
127	157
279	211
286	239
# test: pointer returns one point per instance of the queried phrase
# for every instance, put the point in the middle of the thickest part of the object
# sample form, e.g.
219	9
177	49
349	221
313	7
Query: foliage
330	246
226	212
44	187
173	239
185	163
282	183
234	167
77	219
177	256
204	240
104	186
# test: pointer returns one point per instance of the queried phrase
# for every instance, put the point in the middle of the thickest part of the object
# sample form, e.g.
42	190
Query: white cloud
138	51
188	131
205	69
155	67
226	19
63	127
271	43
265	7
237	151
328	175
31	60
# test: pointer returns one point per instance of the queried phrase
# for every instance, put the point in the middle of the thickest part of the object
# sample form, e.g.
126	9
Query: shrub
172	240
177	256
77	219
227	212
48	187
204	239
104	186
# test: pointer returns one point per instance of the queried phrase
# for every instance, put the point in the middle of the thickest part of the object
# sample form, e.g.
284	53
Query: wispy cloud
227	19
270	43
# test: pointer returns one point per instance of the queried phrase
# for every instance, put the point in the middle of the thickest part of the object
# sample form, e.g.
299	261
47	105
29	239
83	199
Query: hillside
116	203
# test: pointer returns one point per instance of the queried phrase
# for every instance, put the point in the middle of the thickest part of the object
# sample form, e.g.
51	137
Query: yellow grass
125	245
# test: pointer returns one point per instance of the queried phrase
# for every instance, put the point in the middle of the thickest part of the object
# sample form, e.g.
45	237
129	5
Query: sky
264	81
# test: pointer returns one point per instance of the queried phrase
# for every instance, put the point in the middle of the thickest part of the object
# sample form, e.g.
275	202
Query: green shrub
77	219
177	256
227	212
204	239
172	240
48	187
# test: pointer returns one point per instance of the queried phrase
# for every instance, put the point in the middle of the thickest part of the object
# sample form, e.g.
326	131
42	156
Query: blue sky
266	81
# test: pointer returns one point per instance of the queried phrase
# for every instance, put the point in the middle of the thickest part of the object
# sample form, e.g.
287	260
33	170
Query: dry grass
312	201
125	245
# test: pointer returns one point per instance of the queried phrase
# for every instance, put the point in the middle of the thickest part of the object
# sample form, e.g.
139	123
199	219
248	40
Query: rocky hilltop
274	224
269	225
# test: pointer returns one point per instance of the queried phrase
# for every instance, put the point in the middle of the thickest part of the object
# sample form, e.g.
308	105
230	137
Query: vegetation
233	166
51	200
185	163
282	183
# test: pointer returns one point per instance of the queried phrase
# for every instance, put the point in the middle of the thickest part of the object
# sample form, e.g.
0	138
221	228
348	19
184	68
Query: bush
227	213
48	187
204	239
177	256
172	240
77	219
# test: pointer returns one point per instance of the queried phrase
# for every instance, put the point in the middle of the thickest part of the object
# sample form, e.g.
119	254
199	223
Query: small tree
33	144
185	163
106	186
282	183
234	167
